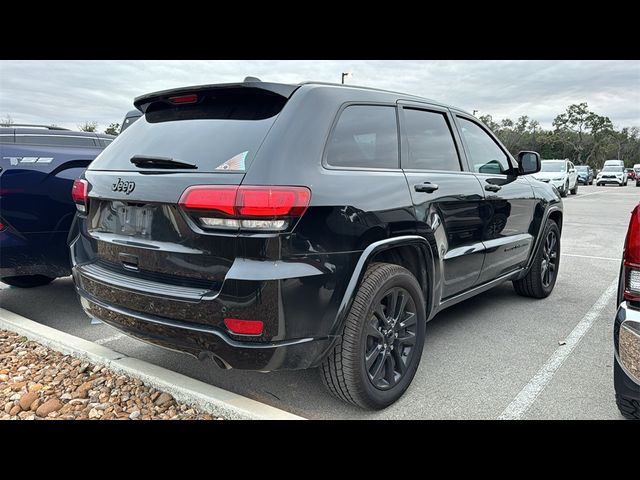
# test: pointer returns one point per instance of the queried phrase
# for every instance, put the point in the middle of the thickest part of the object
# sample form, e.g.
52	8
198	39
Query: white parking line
112	338
590	256
527	396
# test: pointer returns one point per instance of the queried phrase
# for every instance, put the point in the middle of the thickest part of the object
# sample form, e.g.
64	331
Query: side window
365	136
486	155
431	144
67	141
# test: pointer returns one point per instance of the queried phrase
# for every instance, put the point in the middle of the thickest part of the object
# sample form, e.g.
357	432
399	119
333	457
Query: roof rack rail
49	127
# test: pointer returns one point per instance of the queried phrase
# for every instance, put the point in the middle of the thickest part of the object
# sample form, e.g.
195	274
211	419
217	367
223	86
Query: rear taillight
80	193
246	207
632	258
2	226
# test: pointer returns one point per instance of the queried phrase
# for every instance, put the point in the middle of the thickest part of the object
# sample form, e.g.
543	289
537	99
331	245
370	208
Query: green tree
583	130
88	126
113	129
488	121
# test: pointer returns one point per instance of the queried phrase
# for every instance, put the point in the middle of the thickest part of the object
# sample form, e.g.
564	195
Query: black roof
283	89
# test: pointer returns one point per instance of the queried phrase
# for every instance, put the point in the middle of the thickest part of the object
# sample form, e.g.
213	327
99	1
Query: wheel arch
410	251
554	213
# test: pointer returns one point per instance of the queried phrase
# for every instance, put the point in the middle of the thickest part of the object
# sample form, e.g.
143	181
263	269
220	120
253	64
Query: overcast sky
68	93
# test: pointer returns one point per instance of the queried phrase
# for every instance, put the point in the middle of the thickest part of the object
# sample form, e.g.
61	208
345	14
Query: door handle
426	187
490	187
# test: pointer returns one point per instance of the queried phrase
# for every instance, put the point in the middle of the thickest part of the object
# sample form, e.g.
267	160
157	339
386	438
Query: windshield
553	167
613	169
581	168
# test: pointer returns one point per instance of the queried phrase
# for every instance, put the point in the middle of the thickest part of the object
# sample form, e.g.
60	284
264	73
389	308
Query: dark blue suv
38	165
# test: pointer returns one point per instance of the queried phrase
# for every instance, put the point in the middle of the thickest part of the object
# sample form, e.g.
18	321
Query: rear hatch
140	231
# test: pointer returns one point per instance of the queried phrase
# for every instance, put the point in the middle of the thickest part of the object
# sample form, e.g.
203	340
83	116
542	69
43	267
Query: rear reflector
244	327
632	258
183	99
261	208
79	193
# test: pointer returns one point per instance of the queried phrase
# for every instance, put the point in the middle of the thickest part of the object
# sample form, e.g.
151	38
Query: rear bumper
296	299
624	381
202	341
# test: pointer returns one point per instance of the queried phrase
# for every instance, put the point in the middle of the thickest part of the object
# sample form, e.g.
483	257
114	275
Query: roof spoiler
281	89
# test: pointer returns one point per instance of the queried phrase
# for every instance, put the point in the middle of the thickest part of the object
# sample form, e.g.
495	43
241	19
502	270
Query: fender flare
538	241
364	260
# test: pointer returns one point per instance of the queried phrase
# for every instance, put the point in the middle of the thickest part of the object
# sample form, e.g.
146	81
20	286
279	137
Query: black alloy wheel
549	259
390	338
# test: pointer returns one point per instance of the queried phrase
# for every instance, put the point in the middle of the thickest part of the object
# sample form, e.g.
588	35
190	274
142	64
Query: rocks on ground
38	383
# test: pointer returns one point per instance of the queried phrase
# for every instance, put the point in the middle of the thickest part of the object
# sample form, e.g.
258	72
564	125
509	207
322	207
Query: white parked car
561	174
612	174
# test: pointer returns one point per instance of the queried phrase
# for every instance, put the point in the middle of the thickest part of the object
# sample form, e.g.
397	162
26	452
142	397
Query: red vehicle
631	174
626	330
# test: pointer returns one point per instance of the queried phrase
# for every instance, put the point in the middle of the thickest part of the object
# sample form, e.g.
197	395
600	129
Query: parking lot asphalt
495	355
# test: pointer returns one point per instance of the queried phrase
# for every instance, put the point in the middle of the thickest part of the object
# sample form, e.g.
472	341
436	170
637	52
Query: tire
28	281
344	371
533	285
625	182
565	190
575	189
591	182
629	408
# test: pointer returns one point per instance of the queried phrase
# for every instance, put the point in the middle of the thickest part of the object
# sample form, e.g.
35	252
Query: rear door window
430	141
365	136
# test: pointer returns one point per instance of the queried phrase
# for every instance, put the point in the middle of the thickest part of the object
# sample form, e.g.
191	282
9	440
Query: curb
184	389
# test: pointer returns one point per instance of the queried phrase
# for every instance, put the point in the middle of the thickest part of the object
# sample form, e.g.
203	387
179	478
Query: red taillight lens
79	193
2	226
272	201
183	99
221	199
632	258
244	327
246	207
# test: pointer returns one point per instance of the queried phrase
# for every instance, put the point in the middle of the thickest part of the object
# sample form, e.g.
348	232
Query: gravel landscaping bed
38	383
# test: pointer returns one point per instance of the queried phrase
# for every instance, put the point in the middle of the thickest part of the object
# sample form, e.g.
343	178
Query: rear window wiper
143	161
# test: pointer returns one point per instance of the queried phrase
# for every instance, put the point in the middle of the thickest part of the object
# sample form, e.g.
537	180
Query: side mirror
529	162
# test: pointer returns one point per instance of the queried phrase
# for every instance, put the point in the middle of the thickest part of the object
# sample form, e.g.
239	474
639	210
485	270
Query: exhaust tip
217	360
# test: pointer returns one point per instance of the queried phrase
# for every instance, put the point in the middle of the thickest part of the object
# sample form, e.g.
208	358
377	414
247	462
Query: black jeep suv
274	226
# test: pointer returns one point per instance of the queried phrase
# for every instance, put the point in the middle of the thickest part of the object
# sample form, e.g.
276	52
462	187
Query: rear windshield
220	135
610	168
581	168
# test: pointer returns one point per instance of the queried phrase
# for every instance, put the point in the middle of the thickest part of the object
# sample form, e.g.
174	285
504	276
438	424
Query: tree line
579	134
